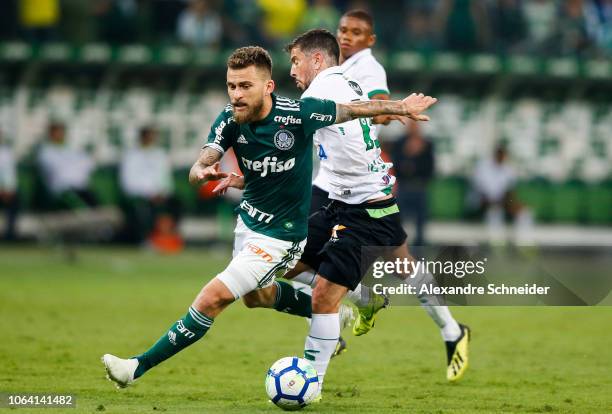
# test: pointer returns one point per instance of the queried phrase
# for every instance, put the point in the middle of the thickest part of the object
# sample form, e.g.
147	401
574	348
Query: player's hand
415	104
233	180
200	174
386	119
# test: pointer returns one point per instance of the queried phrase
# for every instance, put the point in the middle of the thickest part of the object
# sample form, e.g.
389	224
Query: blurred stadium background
533	74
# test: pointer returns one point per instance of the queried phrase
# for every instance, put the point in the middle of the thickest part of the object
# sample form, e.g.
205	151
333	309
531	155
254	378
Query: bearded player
272	138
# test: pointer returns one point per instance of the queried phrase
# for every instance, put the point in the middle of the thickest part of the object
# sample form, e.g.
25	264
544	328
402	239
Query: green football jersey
275	156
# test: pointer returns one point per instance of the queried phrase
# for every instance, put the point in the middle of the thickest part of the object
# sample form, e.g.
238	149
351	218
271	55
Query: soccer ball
292	383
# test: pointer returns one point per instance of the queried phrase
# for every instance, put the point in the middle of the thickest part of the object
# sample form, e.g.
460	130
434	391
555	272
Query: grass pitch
59	317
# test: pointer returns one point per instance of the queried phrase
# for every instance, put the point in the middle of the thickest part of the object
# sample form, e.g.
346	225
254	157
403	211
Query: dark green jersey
275	156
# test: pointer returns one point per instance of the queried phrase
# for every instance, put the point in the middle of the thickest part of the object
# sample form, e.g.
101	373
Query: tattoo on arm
208	156
367	109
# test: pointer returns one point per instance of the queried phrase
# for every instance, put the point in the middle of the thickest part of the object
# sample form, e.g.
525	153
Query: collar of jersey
329	71
355	57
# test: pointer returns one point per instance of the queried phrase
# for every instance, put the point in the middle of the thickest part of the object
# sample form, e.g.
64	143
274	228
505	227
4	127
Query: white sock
305	281
360	296
321	341
449	328
308	278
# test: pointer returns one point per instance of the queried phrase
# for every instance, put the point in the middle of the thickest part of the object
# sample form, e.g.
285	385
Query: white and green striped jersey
365	69
351	168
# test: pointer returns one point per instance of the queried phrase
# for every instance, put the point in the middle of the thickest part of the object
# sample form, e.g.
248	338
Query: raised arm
206	168
412	107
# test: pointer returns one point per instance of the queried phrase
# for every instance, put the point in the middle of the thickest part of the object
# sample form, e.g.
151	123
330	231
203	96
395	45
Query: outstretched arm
385	119
206	168
412	107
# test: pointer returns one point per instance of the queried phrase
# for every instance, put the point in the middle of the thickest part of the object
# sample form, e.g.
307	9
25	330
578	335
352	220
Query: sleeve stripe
215	147
378	92
287	108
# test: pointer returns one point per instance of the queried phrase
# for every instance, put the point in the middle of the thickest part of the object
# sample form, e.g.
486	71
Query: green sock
183	333
291	300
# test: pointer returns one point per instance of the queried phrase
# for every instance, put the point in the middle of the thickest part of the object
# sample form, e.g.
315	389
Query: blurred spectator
572	36
165	238
8	189
146	181
598	14
77	23
540	16
464	24
281	19
493	185
117	20
200	25
164	18
413	159
322	14
65	171
418	33
8	22
508	24
39	19
241	22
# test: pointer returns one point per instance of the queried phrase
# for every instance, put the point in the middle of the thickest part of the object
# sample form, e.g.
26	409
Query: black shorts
320	199
346	229
319	227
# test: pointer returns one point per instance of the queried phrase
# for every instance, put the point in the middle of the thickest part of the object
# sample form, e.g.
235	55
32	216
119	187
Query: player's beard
250	114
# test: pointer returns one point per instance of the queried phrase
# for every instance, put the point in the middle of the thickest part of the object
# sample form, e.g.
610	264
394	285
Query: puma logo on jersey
289	119
268	165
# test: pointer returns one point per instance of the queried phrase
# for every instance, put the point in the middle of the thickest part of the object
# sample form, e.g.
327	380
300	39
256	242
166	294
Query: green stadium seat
567	202
105	185
598	204
185	193
26	177
447	198
536	196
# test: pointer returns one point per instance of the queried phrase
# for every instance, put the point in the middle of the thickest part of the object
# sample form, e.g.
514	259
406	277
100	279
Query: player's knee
262	298
211	303
320	302
252	301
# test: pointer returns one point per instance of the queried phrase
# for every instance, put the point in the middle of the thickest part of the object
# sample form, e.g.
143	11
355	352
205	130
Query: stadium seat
598	204
567	202
447	198
536	195
185	193
105	185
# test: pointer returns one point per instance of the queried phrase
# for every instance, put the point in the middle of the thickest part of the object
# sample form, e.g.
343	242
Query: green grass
59	317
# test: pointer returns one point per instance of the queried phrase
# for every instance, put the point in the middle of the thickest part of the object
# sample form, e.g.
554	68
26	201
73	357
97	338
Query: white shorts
257	260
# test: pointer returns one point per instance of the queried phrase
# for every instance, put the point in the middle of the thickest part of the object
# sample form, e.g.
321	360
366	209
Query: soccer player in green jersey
272	139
